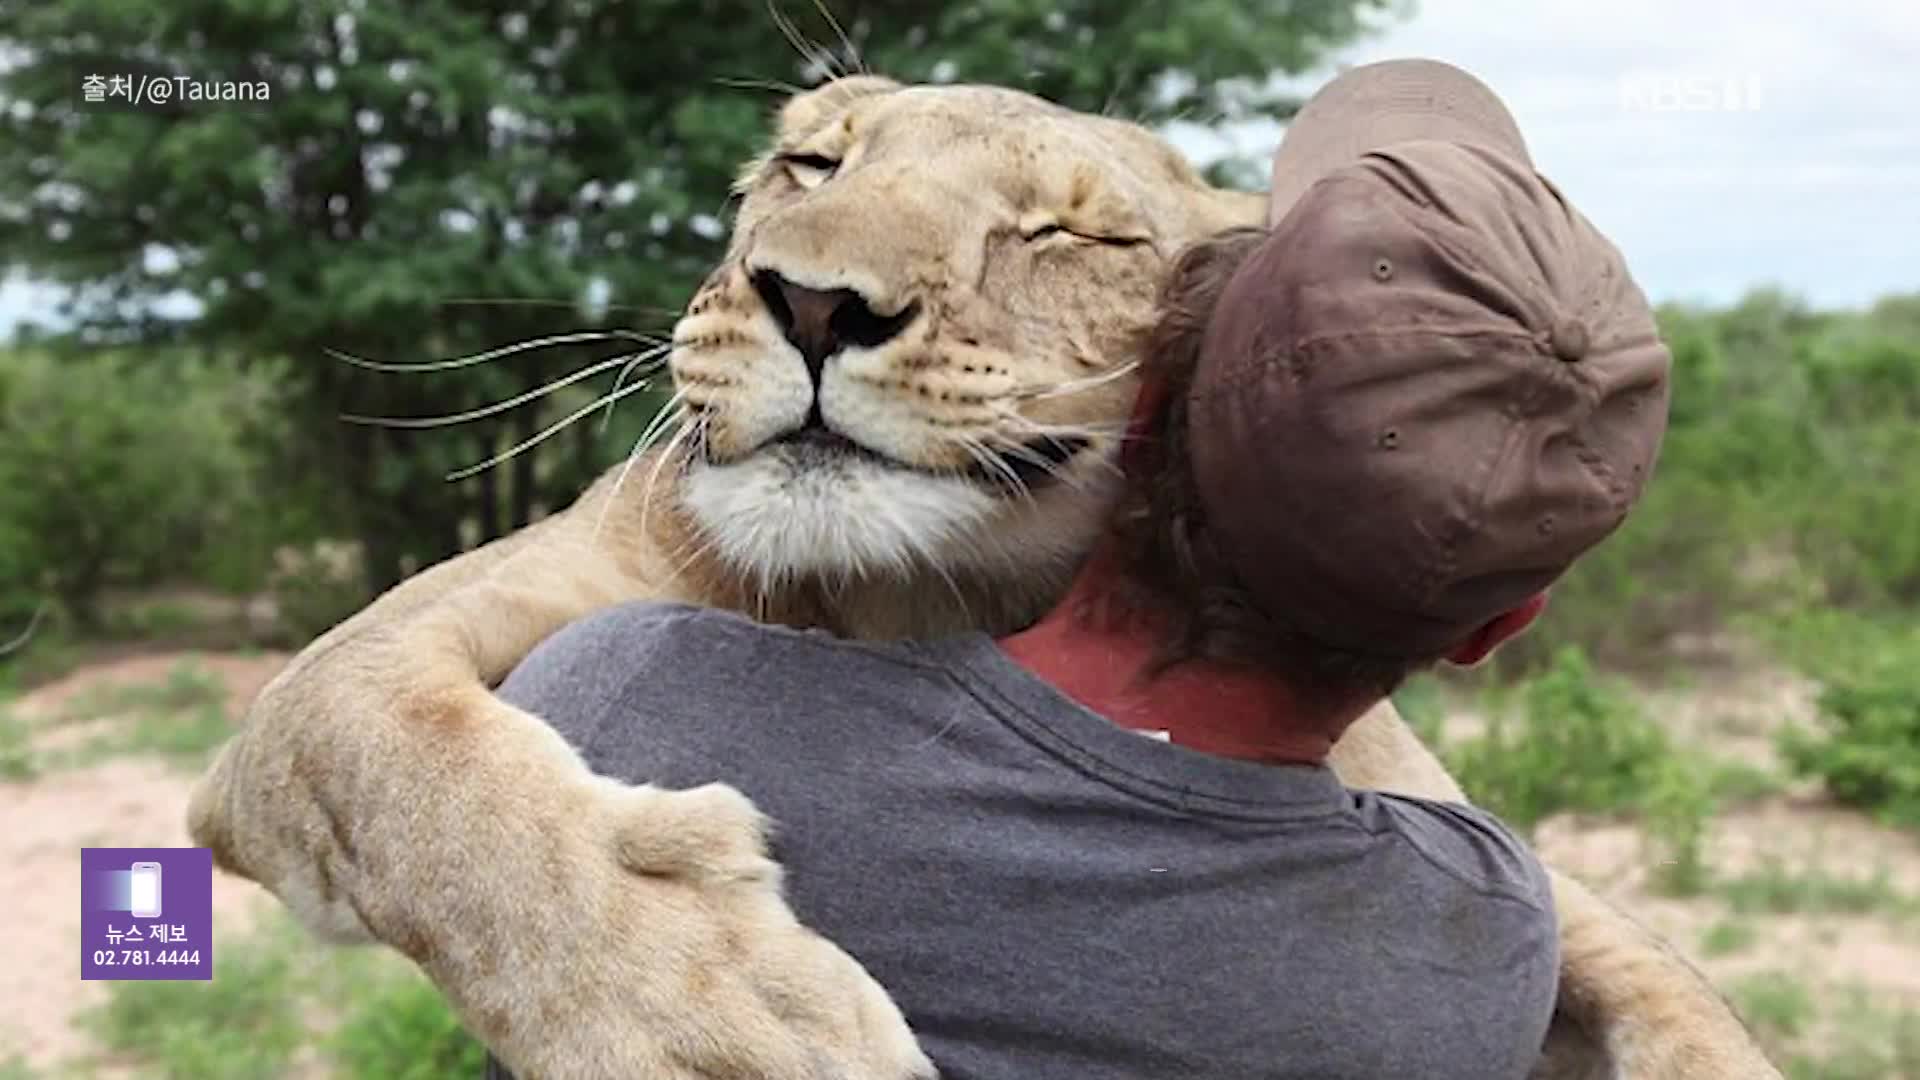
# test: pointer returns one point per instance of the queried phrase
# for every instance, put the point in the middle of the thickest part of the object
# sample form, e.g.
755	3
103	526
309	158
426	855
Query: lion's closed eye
809	170
1043	230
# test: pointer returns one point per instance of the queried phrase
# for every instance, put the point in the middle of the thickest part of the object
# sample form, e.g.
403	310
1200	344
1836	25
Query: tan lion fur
588	929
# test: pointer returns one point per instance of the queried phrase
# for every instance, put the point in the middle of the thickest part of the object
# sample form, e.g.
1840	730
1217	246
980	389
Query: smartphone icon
146	890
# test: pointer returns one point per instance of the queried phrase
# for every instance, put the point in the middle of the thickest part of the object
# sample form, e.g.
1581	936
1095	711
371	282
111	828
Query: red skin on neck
1104	664
1214	708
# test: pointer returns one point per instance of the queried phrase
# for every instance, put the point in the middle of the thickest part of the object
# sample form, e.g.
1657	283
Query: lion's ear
809	111
1223	209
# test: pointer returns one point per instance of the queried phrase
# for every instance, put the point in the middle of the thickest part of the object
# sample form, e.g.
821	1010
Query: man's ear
810	111
1143	427
1499	629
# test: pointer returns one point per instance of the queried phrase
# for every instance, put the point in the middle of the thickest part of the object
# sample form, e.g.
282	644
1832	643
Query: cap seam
1453	239
1270	358
1470	521
1583	451
1440	234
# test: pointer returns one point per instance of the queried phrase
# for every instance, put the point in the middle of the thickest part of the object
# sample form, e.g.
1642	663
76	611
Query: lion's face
916	357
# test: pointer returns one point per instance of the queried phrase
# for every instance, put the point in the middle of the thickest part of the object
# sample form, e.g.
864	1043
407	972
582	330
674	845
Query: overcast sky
1720	144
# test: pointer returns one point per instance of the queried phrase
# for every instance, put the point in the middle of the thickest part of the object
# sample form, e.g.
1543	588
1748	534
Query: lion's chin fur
874	551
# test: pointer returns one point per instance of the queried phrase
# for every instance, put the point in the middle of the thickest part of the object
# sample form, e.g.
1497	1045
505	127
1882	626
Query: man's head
1385	425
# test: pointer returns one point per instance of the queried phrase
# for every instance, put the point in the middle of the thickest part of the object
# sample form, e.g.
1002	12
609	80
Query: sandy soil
119	803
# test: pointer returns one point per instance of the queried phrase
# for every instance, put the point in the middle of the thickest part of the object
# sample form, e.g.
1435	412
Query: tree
414	154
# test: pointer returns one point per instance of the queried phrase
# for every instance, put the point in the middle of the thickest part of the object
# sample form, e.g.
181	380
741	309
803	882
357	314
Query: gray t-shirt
1049	896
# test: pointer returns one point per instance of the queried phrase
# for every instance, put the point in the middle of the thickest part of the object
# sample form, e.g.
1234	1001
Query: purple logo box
146	913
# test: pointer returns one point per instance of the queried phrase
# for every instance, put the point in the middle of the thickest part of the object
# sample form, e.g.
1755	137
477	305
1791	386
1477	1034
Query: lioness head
915	359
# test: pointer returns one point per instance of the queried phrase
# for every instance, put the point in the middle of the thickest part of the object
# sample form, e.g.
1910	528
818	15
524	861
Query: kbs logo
1665	92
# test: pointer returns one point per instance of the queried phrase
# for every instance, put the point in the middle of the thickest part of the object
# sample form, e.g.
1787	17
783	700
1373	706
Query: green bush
123	469
1866	747
1564	739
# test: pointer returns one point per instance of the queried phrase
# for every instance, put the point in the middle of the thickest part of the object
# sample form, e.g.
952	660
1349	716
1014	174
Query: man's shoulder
633	632
638	624
590	660
1461	908
623	624
1465	843
599	656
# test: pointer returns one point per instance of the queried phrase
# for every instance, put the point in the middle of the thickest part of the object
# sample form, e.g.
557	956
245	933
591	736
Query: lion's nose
821	322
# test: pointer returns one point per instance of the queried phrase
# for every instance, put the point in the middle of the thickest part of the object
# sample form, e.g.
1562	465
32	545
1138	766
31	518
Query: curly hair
1168	555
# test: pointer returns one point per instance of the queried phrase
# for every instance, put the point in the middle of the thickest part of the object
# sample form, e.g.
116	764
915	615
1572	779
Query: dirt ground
116	803
1732	712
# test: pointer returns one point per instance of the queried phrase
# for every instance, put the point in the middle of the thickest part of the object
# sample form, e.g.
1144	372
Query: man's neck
1105	664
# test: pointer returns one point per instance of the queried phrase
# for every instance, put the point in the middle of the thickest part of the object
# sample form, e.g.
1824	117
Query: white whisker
682	434
535	301
578	337
545	434
770	85
669	413
811	54
415	422
650	360
853	54
995	463
1074	386
923	547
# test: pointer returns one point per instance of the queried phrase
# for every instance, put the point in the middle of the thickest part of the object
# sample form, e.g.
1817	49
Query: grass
1838	1033
242	1024
1873	1043
1861	1038
404	1031
186	687
1726	937
1735	782
1778	1006
180	719
1773	889
17	759
277	1000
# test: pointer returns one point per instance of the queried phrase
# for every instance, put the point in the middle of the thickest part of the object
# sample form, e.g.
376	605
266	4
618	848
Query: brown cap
1434	384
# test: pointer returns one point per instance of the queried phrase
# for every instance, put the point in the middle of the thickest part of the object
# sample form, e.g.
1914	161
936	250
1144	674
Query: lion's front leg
1629	1007
384	793
1655	1015
344	764
581	928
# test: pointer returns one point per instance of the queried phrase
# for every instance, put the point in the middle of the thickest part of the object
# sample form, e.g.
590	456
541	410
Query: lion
904	388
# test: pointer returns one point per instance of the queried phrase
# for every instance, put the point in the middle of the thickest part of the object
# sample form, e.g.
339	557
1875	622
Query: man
1370	439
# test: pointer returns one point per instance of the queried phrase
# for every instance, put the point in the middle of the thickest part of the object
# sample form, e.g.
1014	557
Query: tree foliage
419	154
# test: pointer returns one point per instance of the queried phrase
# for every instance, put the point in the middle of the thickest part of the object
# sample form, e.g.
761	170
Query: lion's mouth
1029	465
1023	467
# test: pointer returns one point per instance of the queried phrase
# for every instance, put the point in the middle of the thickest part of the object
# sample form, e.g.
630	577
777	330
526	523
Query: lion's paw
712	832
